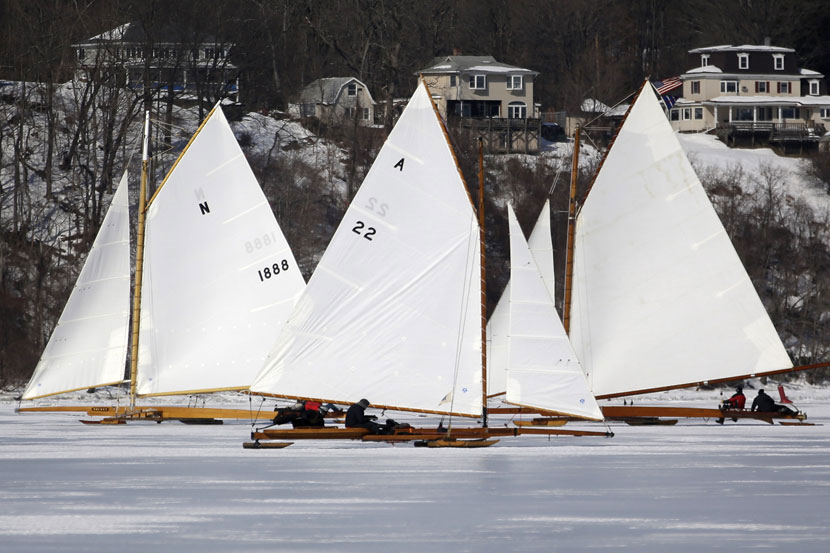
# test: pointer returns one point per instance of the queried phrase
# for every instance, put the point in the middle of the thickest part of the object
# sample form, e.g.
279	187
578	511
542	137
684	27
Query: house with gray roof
752	91
481	92
335	100
180	62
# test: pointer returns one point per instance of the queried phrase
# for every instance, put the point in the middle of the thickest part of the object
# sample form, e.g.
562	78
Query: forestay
541	247
392	312
542	369
661	298
219	277
88	347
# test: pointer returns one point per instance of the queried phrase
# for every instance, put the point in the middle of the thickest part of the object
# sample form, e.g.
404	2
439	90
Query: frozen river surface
692	487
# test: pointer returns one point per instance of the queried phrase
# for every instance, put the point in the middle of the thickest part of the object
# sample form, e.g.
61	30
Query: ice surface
696	486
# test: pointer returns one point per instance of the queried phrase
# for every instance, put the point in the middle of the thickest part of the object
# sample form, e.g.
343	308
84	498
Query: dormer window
478	82
351	89
514	82
813	87
704	60
743	61
778	62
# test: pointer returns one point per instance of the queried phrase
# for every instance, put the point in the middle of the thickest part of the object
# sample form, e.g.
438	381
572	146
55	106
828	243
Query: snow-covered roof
705	69
592	105
741	48
327	90
810	73
806	101
478	64
134	32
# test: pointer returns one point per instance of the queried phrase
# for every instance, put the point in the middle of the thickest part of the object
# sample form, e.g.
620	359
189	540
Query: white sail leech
219	277
387	314
541	246
660	296
88	346
543	371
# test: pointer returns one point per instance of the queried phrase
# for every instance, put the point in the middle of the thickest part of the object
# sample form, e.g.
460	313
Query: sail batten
543	371
661	298
390	313
88	347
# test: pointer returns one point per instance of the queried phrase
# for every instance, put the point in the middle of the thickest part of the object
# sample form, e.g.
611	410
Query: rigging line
465	305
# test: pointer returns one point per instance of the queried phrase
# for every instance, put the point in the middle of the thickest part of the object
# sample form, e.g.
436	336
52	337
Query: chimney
766	41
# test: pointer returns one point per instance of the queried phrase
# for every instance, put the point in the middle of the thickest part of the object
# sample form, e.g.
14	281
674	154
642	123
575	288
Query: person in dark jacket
356	417
765	404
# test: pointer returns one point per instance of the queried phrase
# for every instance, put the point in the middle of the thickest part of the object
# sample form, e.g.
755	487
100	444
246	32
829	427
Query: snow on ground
171	487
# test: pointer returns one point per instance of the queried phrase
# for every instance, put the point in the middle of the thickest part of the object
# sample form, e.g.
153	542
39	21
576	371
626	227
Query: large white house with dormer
751	89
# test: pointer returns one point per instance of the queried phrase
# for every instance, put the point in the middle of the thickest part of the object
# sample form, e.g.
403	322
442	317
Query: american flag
667	85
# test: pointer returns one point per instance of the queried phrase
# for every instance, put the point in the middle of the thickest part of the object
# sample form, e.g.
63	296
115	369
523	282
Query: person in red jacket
737	401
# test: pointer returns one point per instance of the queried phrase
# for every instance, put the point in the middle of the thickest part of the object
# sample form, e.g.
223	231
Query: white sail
88	347
542	369
219	277
660	297
541	246
392	311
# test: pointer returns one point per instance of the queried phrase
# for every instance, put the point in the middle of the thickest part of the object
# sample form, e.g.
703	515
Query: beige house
493	98
752	90
336	100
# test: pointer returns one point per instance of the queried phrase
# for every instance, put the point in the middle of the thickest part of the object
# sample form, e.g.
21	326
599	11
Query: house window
365	114
743	61
789	113
81	53
761	87
813	88
704	60
687	114
778	61
675	115
349	113
695	87
478	82
351	89
729	87
785	87
209	53
825	113
517	110
514	82
698	113
452	80
307	110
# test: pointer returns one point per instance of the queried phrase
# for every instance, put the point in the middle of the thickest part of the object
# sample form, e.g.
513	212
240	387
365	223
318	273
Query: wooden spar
162	412
717	380
569	255
139	259
374	405
483	283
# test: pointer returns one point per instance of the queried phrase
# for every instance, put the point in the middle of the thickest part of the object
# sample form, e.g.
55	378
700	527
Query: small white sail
219	277
392	311
541	246
542	369
88	347
660	297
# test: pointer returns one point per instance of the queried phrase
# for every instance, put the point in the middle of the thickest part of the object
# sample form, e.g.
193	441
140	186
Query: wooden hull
158	413
543	422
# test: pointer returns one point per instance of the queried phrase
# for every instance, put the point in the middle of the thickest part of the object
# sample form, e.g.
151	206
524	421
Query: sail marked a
543	371
219	277
392	311
88	346
660	297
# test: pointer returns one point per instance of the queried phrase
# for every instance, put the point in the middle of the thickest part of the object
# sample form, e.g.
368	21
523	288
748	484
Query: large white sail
88	347
219	277
660	297
542	369
392	312
541	246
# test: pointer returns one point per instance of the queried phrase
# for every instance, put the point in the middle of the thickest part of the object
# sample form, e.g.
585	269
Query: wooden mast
483	282
139	258
569	256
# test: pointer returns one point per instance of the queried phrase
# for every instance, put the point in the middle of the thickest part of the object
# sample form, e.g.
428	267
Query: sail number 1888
273	270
